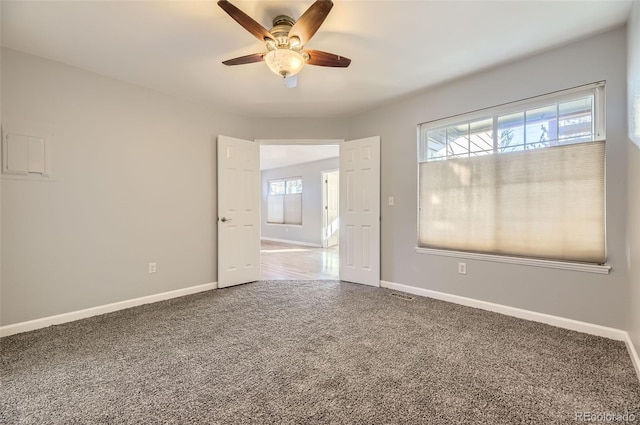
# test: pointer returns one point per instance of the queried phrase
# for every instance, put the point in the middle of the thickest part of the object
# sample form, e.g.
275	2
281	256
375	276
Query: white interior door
360	211
238	211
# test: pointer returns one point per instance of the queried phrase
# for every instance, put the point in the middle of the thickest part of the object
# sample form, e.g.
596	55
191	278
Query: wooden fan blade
320	58
245	20
256	57
311	20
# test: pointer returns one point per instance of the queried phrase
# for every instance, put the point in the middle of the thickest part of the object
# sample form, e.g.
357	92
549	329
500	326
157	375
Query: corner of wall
633	244
633	175
1	135
633	72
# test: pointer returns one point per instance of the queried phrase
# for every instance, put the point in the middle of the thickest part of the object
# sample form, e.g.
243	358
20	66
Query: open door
238	211
360	211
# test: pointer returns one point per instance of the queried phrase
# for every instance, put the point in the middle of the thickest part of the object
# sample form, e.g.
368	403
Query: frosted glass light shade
284	62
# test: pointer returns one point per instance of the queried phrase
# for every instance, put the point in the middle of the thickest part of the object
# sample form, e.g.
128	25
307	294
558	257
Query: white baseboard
633	353
315	245
560	322
102	309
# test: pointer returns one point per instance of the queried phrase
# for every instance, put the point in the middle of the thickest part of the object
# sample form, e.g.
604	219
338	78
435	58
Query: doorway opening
299	236
239	209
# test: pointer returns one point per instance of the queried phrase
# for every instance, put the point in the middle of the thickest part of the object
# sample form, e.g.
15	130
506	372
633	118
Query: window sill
550	264
284	225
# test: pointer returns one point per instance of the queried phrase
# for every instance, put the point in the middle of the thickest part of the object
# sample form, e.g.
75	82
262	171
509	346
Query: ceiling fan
285	42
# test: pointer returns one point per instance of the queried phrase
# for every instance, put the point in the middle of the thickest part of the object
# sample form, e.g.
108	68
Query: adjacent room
320	212
299	227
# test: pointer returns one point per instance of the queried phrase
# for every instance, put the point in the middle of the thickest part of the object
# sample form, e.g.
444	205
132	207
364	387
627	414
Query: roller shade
542	203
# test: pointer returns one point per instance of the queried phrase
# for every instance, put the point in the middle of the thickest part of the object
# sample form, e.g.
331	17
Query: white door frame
339	142
325	201
299	141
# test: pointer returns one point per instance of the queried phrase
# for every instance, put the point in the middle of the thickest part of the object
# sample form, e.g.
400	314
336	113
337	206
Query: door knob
225	219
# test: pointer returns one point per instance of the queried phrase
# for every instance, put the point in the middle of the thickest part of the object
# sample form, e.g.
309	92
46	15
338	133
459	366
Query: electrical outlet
152	267
462	268
391	201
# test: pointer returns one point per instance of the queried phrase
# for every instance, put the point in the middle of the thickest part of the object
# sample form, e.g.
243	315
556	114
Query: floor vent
401	296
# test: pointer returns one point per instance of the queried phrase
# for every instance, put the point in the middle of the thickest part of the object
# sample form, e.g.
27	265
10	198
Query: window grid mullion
524	132
494	133
469	140
557	123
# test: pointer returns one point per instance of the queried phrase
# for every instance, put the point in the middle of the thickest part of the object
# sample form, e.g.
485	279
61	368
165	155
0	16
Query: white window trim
535	262
285	180
532	102
600	134
284	225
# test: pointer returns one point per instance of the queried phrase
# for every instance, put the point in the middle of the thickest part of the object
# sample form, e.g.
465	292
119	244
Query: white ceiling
396	47
276	156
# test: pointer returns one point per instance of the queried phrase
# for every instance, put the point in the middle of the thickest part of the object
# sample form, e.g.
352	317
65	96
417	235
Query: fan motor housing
281	26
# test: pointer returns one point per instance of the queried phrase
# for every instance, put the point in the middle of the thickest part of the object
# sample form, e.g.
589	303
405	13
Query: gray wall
634	185
300	128
134	182
311	229
1	135
599	299
634	245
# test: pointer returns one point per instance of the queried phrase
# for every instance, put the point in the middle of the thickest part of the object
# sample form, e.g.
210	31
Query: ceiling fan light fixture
284	62
295	43
271	44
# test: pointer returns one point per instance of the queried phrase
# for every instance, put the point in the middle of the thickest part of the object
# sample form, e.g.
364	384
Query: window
523	179
284	201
